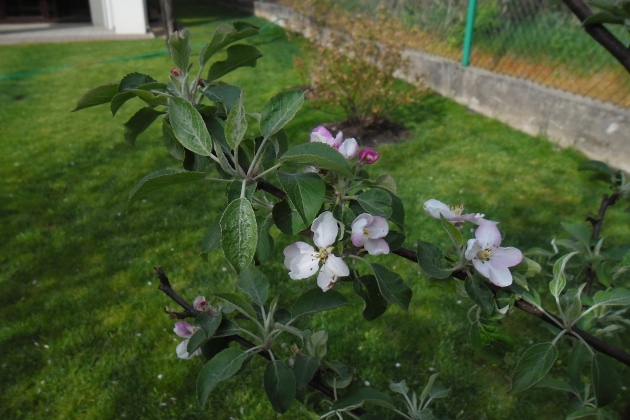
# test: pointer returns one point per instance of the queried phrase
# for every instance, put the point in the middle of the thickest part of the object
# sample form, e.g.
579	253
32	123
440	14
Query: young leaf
222	366
304	369
453	232
179	49
236	124
279	382
360	396
366	287
315	300
306	192
264	247
189	127
239	303
399	387
319	155
376	202
171	143
139	122
160	179
578	231
237	56
533	366
432	260
489	340
253	282
239	234
559	281
208	323
134	80
480	294
225	94
602	171
97	96
279	110
612	297
224	35
392	286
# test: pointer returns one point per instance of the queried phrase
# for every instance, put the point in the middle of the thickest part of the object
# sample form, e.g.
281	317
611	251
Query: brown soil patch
378	132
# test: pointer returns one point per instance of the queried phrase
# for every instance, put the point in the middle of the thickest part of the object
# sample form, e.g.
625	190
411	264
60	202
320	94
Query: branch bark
599	33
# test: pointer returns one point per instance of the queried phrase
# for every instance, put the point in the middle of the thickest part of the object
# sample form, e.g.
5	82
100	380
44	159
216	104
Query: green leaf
366	287
212	240
225	94
392	286
279	382
612	297
139	122
315	300
253	282
559	281
134	80
236	124
556	384
360	396
453	232
239	234
489	340
179	49
237	56
119	100
578	231
306	192
227	328
603	17
383	181
208	323
189	127
286	218
196	341
160	179
171	143
319	155
432	260
584	412
97	96
224	35
480	294
304	369
605	379
399	387
279	110
223	366
602	171
239	303
533	366
376	202
264	247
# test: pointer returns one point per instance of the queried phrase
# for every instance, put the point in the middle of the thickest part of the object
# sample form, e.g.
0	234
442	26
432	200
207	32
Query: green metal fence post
470	24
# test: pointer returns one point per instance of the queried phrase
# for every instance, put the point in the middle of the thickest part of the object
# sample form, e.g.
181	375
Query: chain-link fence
539	40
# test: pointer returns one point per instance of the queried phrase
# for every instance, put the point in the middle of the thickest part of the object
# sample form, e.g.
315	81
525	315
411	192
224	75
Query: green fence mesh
538	40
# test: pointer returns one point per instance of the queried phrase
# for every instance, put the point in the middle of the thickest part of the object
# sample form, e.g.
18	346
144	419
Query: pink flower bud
202	83
368	155
176	72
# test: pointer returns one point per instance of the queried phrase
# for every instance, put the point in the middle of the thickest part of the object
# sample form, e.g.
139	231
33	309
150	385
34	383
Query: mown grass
84	334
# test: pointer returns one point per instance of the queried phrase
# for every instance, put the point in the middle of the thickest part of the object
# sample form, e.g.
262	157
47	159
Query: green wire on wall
470	24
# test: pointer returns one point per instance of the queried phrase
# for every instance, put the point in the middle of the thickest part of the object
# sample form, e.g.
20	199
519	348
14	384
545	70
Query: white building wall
121	16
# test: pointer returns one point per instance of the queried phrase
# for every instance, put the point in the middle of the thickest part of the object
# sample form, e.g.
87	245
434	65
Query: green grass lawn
84	334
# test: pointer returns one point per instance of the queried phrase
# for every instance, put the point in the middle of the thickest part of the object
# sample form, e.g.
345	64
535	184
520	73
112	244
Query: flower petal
358	225
349	148
488	233
183	329
336	266
472	249
498	274
378	228
300	259
325	228
436	207
325	281
377	246
508	257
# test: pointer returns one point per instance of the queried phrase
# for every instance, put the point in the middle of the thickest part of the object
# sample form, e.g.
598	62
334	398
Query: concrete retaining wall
599	130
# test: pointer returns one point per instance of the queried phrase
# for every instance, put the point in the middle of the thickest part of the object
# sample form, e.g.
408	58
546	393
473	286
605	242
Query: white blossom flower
185	330
489	259
201	304
368	231
349	148
435	208
303	260
321	135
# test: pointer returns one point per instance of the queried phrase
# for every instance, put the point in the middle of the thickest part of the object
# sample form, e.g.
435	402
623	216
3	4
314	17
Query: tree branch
600	34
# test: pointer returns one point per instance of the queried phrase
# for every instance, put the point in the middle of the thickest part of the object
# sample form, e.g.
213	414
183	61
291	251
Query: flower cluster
488	257
349	148
303	260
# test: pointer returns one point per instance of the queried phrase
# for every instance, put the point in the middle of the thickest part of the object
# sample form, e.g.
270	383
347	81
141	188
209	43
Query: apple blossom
435	208
185	330
321	135
201	304
303	260
368	156
368	231
349	148
489	259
